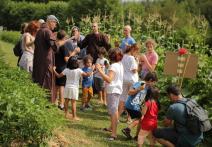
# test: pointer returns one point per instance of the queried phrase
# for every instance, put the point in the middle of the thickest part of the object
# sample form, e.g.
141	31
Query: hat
41	21
52	17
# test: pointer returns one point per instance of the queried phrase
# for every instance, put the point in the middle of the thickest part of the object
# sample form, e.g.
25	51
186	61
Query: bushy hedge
25	114
13	14
10	36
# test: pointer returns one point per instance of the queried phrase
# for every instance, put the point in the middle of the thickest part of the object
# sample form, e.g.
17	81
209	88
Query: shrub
25	114
10	36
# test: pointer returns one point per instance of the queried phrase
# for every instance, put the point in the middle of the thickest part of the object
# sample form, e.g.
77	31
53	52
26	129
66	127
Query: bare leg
73	103
114	122
66	107
121	108
101	97
104	97
133	124
61	95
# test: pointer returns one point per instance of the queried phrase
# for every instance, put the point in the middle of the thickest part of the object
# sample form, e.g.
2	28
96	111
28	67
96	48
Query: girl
130	73
149	116
150	59
71	92
114	80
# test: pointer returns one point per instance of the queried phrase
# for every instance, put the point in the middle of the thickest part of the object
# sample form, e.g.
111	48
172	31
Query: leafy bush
25	114
10	36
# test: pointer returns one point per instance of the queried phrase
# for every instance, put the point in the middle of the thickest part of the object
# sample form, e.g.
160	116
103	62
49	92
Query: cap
52	17
41	21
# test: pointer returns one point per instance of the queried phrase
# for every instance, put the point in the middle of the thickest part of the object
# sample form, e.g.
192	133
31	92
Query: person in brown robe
45	46
93	41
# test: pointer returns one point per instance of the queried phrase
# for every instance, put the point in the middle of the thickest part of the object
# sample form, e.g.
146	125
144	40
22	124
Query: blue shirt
129	40
87	81
134	101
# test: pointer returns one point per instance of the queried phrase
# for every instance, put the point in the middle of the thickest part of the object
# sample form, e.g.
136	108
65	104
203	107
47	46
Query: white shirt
116	84
102	63
72	77
129	64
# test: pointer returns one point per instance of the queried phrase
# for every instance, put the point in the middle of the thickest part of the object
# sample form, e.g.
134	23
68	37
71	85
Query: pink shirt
152	58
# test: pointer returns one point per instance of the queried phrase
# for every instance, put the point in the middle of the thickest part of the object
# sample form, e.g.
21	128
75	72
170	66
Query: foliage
23	109
10	36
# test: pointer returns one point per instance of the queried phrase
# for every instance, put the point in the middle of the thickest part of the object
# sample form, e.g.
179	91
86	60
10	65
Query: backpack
17	50
197	118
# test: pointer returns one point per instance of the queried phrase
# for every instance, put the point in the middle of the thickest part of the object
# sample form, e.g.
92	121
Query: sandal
107	130
112	138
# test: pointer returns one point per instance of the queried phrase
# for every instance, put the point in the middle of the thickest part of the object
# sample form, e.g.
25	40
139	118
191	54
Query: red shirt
150	119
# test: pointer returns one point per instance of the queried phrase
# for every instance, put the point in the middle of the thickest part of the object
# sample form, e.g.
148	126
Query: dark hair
102	51
61	34
173	89
73	63
153	94
132	47
151	76
115	55
87	58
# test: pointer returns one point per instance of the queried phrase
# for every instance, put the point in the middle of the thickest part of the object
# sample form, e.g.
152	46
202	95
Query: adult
28	38
94	40
127	40
45	46
72	44
178	135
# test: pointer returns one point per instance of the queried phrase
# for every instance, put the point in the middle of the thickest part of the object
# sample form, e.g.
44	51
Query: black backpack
17	50
197	118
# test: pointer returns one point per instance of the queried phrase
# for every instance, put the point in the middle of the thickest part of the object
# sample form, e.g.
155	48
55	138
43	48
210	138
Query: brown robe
93	42
43	59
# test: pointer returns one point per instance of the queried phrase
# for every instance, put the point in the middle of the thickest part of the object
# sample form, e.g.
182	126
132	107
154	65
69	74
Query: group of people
123	78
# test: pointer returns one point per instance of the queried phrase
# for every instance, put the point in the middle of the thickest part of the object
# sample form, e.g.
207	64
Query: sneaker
82	108
126	132
88	106
61	108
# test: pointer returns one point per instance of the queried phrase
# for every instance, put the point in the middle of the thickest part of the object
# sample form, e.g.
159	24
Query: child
114	80
136	97
150	59
130	73
149	116
71	92
87	81
98	81
61	59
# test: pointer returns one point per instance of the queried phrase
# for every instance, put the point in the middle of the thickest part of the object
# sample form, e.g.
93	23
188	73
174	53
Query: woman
26	61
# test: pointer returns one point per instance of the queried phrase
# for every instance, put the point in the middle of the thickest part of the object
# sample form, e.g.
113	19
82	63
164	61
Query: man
128	40
95	40
178	135
45	46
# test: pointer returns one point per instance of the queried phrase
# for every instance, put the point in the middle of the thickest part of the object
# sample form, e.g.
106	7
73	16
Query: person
150	59
71	92
73	44
114	80
61	59
98	81
94	41
178	135
45	46
28	38
87	82
149	116
130	74
23	28
135	100
128	39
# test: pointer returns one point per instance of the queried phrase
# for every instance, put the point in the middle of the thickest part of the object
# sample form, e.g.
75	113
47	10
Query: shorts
98	84
112	102
86	92
126	88
71	93
60	81
134	114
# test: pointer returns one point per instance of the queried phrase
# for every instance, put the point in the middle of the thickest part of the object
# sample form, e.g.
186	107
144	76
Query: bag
197	118
17	50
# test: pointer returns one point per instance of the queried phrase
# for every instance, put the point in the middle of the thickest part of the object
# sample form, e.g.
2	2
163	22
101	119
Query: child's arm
134	91
57	74
144	110
109	77
149	66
